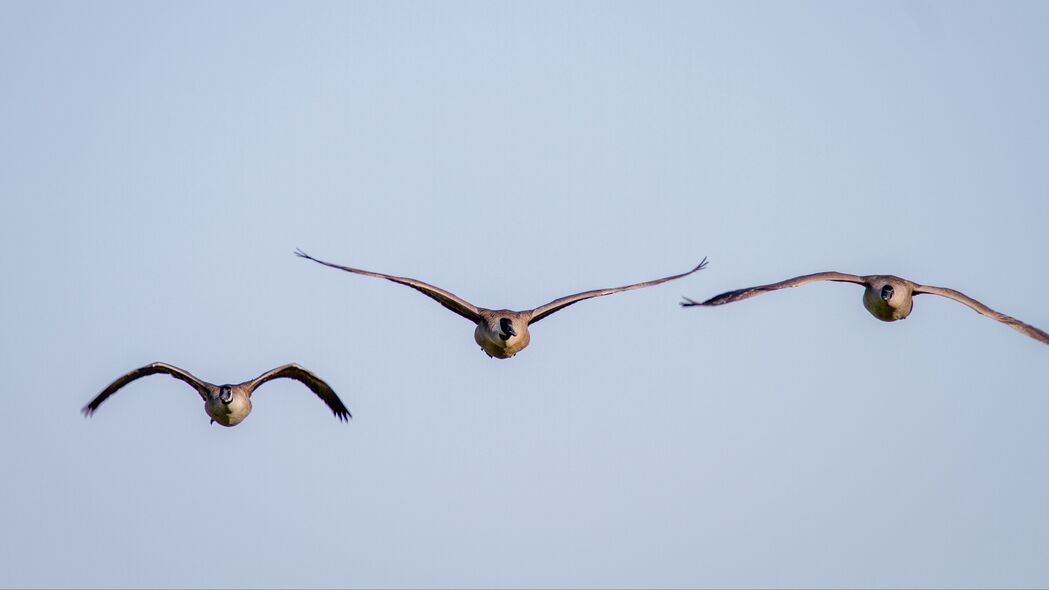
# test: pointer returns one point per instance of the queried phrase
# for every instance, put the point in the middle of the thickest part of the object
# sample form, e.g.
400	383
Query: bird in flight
886	297
228	404
501	333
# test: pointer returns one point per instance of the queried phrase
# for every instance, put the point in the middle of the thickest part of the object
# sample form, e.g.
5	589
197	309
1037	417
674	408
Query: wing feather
741	294
983	309
315	383
563	302
150	369
449	300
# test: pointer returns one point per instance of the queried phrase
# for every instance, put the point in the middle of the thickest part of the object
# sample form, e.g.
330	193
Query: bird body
493	337
227	404
228	413
501	333
886	297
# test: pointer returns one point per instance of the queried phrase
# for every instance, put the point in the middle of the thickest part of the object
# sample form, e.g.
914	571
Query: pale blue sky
160	162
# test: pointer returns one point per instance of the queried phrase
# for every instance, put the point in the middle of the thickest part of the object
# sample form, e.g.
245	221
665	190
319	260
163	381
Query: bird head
506	328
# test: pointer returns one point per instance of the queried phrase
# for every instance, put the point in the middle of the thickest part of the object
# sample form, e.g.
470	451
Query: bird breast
229	414
495	346
897	307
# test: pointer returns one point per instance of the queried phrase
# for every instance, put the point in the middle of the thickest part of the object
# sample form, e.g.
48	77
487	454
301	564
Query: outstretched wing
150	369
987	311
449	300
558	304
740	294
315	383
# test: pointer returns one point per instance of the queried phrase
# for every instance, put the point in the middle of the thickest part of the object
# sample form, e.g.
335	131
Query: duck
501	333
227	404
887	297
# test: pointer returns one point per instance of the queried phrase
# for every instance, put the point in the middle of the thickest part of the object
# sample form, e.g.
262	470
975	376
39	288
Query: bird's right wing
449	300
740	294
150	369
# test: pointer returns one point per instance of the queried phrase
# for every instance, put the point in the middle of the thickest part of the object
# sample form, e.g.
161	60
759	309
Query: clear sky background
160	162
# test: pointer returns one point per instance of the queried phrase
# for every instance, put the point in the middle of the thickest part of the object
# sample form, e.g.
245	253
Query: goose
886	297
227	404
501	333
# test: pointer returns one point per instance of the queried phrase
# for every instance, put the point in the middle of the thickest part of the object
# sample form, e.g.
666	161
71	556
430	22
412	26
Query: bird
501	333
228	404
886	297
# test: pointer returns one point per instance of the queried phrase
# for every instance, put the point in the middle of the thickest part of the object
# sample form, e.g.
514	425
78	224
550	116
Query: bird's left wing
315	383
983	309
558	304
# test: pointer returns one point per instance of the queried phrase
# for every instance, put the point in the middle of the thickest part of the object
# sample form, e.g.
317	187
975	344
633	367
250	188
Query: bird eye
886	292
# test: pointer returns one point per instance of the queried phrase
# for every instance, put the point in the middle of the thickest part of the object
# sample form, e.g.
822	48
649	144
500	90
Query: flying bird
228	404
501	333
886	297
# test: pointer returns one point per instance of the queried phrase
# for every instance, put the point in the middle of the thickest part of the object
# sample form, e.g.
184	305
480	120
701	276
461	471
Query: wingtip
702	264
300	253
693	303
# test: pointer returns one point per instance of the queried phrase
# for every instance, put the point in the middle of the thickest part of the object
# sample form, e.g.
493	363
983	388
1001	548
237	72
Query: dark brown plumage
228	404
886	297
501	333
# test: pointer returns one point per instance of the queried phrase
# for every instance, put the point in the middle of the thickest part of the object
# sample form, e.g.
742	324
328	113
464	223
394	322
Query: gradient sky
161	161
